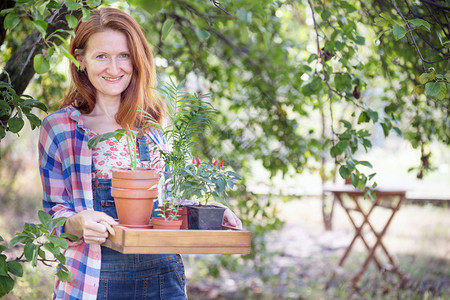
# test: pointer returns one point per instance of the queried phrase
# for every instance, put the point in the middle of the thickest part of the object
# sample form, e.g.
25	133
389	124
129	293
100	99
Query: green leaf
58	222
11	21
152	6
94	3
3	266
339	45
86	14
72	5
3	248
19	238
365	163
202	34
41	25
379	21
424	77
167	26
420	23
344	172
6	285
41	64
354	179
399	31
312	58
360	40
350	164
34	120
60	242
63	276
72	21
69	236
343	82
15	268
244	16
52	248
44	217
398	131
5	109
15	124
325	15
2	132
341	146
373	115
28	251
54	5
432	89
363	117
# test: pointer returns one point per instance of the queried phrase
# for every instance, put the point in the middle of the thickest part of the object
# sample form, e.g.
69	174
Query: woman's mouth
112	79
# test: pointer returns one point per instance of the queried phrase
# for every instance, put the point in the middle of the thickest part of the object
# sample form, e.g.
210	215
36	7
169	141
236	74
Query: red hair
140	93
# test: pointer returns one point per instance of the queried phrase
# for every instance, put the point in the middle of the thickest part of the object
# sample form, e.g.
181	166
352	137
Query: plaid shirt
65	163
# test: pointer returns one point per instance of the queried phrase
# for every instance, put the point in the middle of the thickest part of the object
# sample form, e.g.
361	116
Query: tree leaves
399	31
202	34
41	64
432	89
167	26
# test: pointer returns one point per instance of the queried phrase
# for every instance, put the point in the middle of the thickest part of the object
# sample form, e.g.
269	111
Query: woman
112	83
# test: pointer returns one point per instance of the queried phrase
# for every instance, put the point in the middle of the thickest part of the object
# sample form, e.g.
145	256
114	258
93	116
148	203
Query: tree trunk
20	65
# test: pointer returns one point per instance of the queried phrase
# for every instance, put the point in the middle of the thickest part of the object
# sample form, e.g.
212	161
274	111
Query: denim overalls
135	276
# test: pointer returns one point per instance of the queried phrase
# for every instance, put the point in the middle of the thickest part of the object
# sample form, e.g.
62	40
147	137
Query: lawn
303	257
306	255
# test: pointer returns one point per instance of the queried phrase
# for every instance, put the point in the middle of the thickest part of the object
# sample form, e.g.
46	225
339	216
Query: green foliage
188	116
28	16
205	180
38	239
17	107
130	136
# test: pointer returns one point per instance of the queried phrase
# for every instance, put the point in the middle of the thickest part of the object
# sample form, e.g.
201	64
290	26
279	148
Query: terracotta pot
183	216
134	202
160	223
205	217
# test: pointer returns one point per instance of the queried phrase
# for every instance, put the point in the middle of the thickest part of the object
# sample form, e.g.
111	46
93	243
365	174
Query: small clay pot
160	223
133	200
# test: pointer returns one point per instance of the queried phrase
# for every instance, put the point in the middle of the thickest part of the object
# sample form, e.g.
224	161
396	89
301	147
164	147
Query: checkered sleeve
56	197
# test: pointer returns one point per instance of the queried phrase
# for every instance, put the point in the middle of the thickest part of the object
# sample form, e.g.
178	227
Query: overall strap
143	148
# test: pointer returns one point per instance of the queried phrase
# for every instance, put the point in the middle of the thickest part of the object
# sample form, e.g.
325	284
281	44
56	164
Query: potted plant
131	187
188	117
207	181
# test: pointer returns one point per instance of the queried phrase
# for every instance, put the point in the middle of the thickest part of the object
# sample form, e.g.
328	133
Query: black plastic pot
208	217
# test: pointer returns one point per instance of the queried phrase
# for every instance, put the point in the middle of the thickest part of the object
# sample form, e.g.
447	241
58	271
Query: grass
303	258
418	239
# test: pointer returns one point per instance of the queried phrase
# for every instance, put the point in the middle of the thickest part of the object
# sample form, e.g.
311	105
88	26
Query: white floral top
110	154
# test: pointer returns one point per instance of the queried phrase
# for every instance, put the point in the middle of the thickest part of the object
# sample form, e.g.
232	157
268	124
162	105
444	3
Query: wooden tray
154	241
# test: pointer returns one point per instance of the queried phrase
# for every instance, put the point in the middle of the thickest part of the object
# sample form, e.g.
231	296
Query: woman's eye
126	55
101	56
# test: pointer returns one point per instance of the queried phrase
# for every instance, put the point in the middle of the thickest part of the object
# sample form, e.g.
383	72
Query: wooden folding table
390	199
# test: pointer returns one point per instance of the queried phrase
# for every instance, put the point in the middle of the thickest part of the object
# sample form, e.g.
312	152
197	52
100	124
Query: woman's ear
79	57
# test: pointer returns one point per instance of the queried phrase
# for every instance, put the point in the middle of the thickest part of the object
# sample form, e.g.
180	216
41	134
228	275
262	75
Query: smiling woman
107	92
108	65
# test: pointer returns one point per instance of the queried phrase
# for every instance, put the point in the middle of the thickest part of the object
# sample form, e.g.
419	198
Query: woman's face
107	63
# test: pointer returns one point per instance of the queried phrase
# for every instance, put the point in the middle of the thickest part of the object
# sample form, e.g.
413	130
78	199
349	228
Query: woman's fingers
231	219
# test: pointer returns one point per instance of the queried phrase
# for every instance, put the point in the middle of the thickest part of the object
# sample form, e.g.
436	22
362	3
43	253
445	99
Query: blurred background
308	94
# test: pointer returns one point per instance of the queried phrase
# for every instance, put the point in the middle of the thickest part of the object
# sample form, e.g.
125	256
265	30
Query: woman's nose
113	68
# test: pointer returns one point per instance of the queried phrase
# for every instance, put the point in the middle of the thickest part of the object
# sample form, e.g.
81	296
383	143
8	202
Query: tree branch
20	65
322	60
436	4
411	35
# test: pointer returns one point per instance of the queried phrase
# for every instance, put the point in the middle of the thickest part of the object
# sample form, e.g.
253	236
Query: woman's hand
90	225
229	218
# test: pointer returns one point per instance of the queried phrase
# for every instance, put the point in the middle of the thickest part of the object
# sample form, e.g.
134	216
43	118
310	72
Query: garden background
308	93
